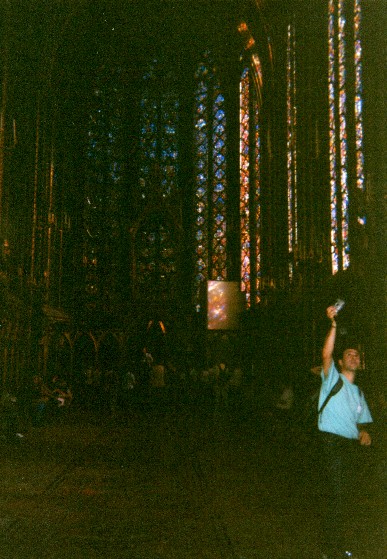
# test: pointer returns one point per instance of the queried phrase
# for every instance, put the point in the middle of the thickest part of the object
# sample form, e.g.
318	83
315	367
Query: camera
339	305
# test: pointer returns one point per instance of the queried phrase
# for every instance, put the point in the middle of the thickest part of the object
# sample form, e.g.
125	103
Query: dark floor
168	483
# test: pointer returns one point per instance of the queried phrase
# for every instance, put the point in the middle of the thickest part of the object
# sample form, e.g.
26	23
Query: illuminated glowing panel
225	303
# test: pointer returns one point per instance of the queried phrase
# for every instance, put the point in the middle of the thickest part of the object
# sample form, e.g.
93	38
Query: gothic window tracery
250	186
104	183
345	114
291	145
156	257
210	178
159	108
156	238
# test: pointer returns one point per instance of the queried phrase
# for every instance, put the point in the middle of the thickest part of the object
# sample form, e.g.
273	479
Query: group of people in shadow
151	384
34	404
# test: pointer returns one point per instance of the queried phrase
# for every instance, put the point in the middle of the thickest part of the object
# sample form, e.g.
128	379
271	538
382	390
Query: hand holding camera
339	305
333	310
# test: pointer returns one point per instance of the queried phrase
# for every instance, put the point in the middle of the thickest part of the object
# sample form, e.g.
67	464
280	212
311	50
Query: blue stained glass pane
219	174
220	114
219	99
213	234
170	129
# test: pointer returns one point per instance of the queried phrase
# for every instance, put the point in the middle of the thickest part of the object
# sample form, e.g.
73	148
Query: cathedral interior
149	148
201	178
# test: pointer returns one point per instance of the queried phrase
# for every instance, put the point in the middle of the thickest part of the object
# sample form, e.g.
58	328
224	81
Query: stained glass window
358	101
158	136
105	159
291	114
339	35
156	238
249	199
156	243
210	178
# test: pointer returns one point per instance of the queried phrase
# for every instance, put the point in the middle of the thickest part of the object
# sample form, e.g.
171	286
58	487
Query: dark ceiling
47	38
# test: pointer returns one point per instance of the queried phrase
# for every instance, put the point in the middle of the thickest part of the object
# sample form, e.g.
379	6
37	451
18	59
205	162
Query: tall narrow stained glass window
344	45
360	184
291	144
105	161
156	242
158	136
210	178
249	201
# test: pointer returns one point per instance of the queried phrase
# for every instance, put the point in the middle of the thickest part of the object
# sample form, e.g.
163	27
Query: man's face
350	360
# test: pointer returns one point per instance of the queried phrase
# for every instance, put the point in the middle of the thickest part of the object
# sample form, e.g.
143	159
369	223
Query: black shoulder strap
333	391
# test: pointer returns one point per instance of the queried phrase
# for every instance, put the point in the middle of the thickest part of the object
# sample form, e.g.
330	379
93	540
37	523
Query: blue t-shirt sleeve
365	414
328	383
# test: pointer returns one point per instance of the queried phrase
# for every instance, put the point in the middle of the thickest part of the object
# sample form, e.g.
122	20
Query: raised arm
329	344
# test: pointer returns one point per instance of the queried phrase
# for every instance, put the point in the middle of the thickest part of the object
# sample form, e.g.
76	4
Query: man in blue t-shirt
342	424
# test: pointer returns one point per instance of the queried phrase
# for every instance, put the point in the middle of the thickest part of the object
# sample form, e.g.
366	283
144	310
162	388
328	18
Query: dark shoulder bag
334	390
310	417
